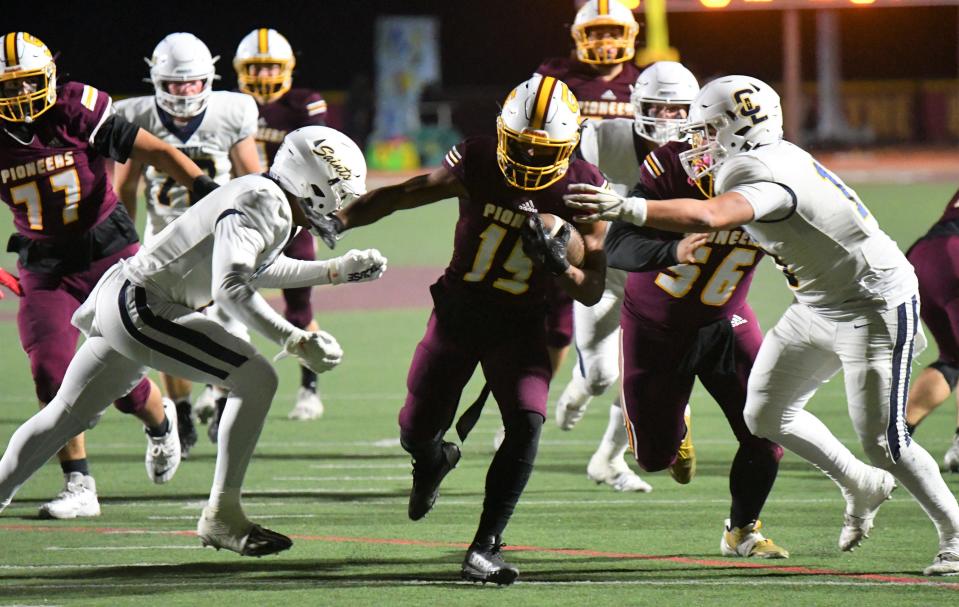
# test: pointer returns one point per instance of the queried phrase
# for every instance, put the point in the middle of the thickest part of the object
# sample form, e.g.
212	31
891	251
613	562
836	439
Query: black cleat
185	428
484	563
426	481
214	428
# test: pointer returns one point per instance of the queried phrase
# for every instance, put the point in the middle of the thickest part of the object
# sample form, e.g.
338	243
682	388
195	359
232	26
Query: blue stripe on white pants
901	368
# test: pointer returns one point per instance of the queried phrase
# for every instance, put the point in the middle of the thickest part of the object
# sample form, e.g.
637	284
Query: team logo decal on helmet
537	131
28	78
264	64
731	115
605	32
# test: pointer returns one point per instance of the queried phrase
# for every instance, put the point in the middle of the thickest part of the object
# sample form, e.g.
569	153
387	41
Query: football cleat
185	428
308	406
616	473
426	481
205	406
684	468
484	563
239	535
945	563
163	452
747	541
78	499
861	509
950	460
569	413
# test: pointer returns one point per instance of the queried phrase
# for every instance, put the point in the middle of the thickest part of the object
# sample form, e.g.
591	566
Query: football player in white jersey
143	314
856	305
661	98
214	128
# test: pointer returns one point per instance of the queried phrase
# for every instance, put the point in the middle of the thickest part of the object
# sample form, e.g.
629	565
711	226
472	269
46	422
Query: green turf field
339	487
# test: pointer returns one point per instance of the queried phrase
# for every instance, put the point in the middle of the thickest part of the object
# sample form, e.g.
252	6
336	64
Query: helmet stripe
603	7
541	102
10	49
263	42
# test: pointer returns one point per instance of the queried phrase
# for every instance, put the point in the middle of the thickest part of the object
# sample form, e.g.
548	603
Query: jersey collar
183	133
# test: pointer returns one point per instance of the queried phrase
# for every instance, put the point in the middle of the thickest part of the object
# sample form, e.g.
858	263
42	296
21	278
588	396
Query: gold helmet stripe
603	7
541	102
10	49
264	45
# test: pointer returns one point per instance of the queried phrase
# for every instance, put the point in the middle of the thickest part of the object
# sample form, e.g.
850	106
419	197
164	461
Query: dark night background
492	42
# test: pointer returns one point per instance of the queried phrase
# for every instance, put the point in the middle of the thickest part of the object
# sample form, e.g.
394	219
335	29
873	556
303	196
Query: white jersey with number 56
206	139
835	256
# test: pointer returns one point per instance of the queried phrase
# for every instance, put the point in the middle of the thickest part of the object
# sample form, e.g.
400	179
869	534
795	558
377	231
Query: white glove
318	351
602	204
357	266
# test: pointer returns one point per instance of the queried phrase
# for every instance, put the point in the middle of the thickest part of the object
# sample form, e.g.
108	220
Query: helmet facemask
26	94
605	41
706	153
183	106
265	78
529	159
650	126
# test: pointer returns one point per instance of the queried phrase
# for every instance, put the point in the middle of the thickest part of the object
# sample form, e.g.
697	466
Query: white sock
615	441
918	472
240	427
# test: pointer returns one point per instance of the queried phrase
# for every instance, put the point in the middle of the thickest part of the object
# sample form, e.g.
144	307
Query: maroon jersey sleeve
454	160
314	108
84	108
662	176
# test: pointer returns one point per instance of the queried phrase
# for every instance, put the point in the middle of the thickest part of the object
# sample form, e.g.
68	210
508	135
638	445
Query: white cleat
861	510
568	414
205	405
617	474
163	452
945	563
239	535
308	406
78	499
950	460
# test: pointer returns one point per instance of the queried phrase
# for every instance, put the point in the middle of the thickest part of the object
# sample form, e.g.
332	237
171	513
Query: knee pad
949	371
136	400
523	428
762	423
761	448
600	377
255	379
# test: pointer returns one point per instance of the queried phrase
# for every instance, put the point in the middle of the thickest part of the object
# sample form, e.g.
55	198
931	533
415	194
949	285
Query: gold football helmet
264	65
605	32
536	133
28	78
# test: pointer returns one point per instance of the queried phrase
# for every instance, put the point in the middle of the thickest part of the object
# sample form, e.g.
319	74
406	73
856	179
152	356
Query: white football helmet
618	45
731	115
264	48
322	168
28	78
182	57
536	133
661	84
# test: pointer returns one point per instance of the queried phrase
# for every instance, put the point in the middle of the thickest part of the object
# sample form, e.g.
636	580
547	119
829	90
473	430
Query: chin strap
329	229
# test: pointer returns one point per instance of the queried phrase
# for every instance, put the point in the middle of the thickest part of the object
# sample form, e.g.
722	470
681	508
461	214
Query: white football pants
596	334
874	351
130	330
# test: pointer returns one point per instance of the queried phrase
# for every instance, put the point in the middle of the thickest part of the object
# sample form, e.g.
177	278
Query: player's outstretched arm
353	266
126	180
723	212
244	157
416	192
148	149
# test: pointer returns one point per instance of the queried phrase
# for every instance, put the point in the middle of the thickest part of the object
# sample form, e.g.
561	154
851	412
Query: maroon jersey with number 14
56	183
297	108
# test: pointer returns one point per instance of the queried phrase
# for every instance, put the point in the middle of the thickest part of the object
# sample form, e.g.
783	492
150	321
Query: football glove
602	204
318	351
203	185
11	282
357	266
545	250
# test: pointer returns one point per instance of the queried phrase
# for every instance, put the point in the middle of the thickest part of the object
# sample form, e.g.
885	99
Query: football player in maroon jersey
55	143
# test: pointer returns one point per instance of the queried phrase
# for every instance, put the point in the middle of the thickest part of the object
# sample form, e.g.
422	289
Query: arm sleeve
751	178
634	249
236	245
287	273
114	138
315	109
248	118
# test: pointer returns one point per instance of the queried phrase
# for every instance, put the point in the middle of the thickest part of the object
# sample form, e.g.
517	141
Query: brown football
576	249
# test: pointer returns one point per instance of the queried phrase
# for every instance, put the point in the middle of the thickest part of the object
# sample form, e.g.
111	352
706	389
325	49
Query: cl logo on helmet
327	153
747	109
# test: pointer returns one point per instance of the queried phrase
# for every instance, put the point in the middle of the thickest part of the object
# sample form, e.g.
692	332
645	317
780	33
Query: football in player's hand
576	248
